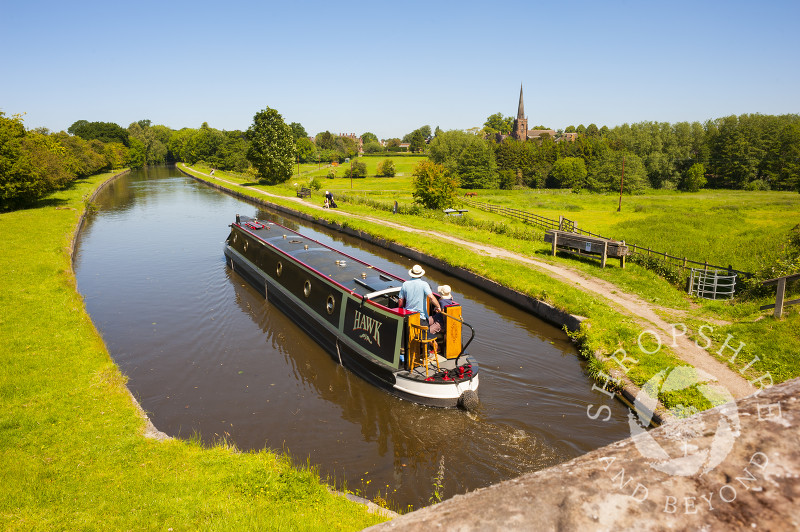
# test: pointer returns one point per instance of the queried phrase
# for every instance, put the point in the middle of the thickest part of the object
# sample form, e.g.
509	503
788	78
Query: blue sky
390	68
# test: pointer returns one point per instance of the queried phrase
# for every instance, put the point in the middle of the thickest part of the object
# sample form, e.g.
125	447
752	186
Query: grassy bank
775	342
71	445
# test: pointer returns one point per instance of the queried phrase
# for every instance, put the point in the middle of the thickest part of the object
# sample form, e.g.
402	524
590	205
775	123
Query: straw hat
444	291
416	271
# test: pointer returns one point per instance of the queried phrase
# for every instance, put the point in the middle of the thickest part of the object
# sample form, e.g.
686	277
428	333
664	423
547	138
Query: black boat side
345	305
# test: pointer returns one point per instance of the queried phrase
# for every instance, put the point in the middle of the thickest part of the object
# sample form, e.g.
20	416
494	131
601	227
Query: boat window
307	288
331	304
279	269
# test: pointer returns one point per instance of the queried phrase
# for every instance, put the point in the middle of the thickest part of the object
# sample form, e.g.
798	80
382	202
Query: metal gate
712	284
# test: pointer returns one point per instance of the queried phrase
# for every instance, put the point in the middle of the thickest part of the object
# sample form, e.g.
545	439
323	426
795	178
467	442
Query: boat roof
349	272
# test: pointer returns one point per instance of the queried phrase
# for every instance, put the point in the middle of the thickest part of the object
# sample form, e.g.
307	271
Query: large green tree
31	164
424	132
272	150
305	149
570	172
325	141
500	124
477	167
417	142
434	187
298	131
466	156
152	142
694	179
102	131
386	168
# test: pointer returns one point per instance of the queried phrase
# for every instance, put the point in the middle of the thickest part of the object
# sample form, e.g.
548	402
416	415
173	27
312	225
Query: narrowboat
350	308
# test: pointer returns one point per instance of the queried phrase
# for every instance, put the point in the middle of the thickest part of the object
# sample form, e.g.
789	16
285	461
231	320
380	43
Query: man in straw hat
414	292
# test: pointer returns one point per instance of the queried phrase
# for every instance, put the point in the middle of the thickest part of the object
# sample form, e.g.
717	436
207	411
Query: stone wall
734	467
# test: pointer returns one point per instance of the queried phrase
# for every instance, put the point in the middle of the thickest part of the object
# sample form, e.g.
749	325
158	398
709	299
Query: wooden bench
304	192
454	212
583	245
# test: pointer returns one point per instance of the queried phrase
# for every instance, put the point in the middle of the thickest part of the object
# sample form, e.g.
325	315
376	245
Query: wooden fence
780	282
682	262
564	224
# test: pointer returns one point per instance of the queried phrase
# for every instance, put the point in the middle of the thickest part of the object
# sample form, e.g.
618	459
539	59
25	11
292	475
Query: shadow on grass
36	204
585	259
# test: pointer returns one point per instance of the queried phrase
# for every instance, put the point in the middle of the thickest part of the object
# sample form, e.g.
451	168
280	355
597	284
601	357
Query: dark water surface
206	354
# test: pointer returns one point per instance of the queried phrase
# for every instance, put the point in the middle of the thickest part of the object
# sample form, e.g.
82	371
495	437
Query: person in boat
438	323
414	293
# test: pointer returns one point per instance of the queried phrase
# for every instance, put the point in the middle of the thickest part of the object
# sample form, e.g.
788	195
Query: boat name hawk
370	325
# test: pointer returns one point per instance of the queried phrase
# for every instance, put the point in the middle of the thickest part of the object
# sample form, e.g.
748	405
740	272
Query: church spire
520	131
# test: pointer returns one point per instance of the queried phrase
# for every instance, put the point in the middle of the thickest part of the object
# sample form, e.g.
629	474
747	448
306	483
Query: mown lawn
71	446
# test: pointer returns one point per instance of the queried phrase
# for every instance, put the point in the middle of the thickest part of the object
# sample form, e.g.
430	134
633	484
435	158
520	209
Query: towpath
643	312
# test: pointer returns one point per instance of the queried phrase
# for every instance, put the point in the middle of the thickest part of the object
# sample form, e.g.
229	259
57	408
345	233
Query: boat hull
365	338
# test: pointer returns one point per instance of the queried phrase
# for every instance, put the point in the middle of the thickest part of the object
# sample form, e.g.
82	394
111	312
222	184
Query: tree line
752	152
34	163
749	152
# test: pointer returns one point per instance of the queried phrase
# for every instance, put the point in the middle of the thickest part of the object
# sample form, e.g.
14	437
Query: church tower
520	131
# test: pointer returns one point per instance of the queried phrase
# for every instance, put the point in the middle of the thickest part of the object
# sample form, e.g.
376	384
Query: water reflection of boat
350	309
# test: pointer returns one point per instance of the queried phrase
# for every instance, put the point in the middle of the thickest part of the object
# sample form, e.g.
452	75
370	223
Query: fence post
705	265
605	253
560	222
779	298
555	242
683	268
648	251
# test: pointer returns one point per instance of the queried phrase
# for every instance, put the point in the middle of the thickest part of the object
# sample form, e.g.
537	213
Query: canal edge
150	430
626	391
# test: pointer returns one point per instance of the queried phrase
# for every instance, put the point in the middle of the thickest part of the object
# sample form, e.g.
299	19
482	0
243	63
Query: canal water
206	355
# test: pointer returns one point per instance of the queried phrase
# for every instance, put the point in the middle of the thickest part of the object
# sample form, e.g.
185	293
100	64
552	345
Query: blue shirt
415	293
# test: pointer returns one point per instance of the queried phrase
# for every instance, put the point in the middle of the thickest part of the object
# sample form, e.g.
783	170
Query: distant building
520	130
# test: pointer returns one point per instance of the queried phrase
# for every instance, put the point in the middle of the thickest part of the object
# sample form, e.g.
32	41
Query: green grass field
724	227
404	166
72	450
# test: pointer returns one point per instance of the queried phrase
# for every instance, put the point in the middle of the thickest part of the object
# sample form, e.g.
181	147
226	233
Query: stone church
520	130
